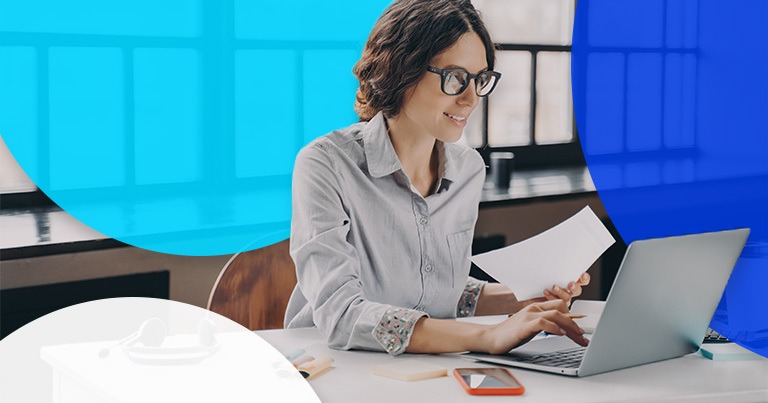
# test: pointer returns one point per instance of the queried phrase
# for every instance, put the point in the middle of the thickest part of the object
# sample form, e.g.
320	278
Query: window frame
532	155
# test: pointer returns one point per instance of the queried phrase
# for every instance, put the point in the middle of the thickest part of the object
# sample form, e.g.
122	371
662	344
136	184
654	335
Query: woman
384	210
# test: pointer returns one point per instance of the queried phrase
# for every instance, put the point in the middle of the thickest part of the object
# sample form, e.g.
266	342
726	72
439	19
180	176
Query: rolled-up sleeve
328	266
470	295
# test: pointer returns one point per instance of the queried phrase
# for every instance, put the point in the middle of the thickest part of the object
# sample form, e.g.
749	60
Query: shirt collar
379	151
446	169
382	159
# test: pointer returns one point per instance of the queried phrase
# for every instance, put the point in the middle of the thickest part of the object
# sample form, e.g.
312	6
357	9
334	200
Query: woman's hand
549	316
568	293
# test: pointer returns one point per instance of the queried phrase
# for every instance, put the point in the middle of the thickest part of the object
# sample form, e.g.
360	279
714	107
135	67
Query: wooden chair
253	288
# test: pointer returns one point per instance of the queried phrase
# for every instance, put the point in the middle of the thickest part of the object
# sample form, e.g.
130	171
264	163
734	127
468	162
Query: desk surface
540	183
691	378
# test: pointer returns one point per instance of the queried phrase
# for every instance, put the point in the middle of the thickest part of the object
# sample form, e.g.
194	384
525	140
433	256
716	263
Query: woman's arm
447	336
498	299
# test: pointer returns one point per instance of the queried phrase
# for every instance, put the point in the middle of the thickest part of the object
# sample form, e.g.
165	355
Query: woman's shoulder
331	147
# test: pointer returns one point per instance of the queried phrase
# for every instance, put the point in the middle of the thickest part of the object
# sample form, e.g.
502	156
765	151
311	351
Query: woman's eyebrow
454	66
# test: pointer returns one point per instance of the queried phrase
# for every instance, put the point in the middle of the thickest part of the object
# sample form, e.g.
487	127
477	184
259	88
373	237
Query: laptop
659	307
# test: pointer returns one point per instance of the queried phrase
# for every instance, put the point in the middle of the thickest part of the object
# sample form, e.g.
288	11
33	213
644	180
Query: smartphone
488	381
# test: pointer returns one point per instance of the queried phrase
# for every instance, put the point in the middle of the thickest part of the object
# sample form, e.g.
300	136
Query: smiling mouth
454	117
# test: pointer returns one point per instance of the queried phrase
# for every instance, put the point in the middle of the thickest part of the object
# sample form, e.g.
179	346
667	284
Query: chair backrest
253	288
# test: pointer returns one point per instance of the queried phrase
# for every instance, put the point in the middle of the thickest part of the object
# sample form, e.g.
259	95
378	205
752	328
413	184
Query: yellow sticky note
409	370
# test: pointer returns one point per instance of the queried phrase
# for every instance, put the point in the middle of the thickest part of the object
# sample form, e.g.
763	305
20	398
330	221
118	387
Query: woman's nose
469	97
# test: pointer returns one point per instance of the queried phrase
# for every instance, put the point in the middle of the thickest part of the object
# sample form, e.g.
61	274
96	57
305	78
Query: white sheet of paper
556	256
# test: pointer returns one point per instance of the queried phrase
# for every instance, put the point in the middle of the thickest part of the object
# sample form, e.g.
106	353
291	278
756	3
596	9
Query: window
227	87
646	63
531	111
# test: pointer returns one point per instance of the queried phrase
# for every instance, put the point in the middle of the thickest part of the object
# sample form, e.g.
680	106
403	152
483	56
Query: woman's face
428	110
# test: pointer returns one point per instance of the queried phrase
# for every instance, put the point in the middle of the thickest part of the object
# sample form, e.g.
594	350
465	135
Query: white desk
687	379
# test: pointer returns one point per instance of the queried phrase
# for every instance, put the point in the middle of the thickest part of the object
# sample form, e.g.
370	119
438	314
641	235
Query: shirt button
424	220
428	268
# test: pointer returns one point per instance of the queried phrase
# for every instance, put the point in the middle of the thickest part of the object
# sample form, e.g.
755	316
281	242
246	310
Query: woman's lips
459	121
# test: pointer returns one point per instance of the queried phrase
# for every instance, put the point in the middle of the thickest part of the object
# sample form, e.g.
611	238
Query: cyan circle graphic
670	99
173	125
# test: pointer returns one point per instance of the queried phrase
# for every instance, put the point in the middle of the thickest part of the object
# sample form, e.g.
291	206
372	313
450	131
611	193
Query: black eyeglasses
455	81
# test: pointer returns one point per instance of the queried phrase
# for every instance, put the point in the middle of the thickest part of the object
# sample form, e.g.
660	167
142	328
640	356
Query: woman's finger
554	305
561	293
543	324
550	296
574	289
572	330
584	279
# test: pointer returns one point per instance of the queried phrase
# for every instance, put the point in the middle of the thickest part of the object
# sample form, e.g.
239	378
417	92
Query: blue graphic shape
669	97
86	118
173	126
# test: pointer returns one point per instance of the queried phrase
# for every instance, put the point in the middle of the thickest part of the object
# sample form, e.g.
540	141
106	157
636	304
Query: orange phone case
510	391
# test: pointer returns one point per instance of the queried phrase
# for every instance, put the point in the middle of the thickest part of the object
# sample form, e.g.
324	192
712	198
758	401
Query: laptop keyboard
714	337
570	358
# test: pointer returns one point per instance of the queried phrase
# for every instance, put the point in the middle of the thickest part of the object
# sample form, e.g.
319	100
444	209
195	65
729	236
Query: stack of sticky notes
409	370
727	351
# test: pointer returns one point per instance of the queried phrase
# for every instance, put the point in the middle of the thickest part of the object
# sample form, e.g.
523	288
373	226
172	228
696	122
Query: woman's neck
416	151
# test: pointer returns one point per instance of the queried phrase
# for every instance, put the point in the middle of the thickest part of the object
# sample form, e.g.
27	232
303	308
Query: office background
223	90
192	105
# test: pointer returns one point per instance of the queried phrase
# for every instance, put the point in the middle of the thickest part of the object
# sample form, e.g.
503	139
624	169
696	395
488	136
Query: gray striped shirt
372	255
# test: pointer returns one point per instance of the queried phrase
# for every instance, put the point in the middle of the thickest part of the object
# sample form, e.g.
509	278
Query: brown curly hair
405	38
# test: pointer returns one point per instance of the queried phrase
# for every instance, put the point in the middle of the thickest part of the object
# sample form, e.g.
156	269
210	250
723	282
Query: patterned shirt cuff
394	329
468	300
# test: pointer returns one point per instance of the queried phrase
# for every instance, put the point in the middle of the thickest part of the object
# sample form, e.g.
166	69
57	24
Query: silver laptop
659	307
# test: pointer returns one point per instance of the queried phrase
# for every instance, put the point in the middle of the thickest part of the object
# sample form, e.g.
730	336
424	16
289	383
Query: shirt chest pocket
460	247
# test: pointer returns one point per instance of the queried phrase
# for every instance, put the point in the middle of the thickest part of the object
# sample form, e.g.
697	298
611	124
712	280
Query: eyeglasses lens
485	83
454	82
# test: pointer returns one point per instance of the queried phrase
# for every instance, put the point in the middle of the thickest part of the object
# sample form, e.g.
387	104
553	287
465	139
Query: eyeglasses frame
444	73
